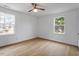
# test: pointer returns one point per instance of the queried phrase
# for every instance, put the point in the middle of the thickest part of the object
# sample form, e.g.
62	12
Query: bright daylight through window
7	23
59	25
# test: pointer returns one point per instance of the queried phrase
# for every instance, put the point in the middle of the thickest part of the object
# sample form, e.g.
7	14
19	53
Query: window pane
1	19
59	29
59	25
59	21
7	23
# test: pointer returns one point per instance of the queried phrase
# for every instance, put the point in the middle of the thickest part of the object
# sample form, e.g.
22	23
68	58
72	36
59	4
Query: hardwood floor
39	47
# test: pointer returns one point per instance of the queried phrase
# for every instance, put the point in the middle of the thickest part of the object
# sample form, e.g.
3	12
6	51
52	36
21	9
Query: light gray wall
25	28
78	20
78	27
45	28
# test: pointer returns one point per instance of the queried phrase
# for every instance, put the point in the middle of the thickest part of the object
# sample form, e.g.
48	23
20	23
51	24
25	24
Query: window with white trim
7	23
59	25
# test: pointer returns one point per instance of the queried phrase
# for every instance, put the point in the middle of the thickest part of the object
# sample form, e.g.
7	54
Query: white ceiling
50	7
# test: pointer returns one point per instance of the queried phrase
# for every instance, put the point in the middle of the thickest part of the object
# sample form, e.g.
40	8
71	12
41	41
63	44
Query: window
59	25
7	23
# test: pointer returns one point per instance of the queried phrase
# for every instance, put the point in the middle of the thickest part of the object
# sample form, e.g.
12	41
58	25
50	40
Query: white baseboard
58	41
17	41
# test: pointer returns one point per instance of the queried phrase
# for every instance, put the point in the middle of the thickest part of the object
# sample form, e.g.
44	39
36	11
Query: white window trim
54	25
9	33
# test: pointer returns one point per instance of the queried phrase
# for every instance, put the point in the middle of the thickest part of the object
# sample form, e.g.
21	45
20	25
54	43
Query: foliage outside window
59	25
7	22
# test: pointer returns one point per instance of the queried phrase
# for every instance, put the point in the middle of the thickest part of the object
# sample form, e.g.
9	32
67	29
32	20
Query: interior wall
25	28
45	28
78	27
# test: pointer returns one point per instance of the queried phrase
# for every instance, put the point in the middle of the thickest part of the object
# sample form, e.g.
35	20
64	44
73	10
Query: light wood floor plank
39	47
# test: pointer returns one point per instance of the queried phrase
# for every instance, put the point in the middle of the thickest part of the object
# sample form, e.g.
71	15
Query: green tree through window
59	25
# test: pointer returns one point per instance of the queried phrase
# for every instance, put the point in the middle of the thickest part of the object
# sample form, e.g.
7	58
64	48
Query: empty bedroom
39	29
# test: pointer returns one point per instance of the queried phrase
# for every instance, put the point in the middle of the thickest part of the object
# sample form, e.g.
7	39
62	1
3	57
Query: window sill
7	33
59	33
